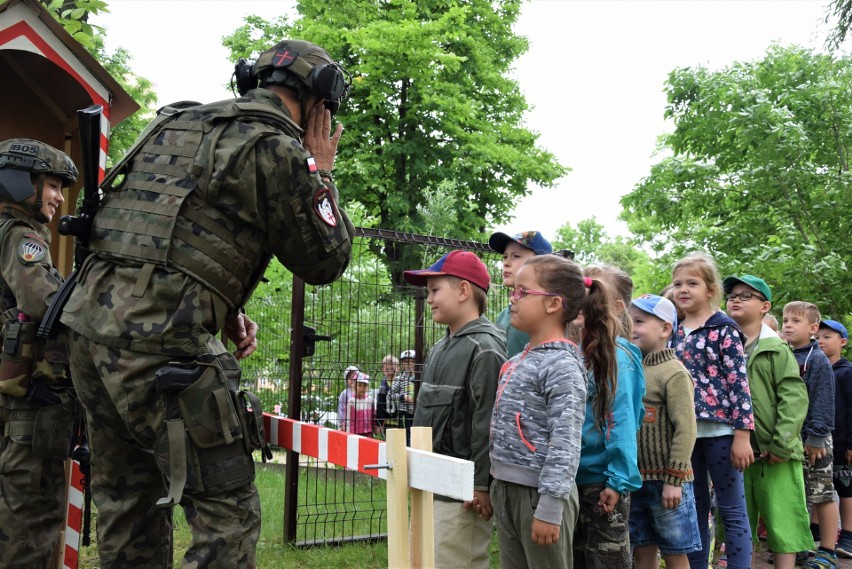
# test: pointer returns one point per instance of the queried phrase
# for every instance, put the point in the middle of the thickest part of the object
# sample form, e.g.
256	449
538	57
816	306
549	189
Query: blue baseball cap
462	264
836	326
662	308
532	240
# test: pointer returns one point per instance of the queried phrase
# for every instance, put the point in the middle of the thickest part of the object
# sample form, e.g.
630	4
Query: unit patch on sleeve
31	249
324	207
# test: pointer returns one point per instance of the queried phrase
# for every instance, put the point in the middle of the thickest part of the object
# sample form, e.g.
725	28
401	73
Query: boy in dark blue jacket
832	337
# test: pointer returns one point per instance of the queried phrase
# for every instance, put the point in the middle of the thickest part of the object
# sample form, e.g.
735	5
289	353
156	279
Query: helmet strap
38	203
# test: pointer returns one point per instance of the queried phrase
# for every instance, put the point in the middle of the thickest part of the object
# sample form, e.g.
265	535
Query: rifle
79	226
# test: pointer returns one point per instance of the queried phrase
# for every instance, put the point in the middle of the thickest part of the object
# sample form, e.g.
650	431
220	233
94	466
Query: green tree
840	13
758	174
431	101
592	245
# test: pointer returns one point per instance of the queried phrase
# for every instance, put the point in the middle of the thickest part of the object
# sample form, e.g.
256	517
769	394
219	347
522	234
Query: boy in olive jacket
457	396
774	486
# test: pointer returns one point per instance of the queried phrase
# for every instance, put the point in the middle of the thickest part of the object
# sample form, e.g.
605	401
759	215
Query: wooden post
422	513
399	550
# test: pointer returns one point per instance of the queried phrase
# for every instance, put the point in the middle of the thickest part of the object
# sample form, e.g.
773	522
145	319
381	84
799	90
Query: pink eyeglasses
521	292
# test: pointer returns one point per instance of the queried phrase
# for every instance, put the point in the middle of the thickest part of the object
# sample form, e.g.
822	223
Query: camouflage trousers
32	497
125	417
601	540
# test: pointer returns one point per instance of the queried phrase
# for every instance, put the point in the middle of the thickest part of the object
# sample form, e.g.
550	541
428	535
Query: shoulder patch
31	249
324	207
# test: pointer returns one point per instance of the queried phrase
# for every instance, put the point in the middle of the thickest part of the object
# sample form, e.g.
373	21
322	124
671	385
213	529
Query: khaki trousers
461	538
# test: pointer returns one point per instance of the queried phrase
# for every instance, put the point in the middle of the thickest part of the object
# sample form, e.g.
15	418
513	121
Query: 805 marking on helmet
20	157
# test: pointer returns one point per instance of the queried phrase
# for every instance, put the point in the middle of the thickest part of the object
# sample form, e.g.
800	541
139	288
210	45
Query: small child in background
710	345
608	470
832	337
774	488
536	427
400	397
800	324
360	409
456	399
662	511
349	375
770	320
516	249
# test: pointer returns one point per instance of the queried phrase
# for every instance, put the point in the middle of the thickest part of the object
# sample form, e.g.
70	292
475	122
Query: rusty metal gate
356	321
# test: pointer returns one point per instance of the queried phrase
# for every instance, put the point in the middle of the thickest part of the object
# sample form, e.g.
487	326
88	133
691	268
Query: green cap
752	281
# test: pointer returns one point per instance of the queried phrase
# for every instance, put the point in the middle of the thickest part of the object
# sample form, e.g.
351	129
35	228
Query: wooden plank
422	512
399	550
439	474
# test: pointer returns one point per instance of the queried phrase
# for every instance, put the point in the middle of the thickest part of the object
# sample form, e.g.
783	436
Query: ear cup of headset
328	82
243	76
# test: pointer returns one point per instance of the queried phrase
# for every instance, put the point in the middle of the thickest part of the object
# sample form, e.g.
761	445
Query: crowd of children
609	431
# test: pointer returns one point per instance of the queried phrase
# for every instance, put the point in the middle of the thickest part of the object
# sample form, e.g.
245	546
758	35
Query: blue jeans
712	456
673	530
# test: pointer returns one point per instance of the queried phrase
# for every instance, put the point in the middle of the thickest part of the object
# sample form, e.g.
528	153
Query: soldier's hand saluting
318	138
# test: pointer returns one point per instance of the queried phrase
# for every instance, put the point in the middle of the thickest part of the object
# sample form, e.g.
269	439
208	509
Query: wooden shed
46	77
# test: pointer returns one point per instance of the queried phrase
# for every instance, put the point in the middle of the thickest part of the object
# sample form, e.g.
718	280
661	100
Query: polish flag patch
312	165
324	207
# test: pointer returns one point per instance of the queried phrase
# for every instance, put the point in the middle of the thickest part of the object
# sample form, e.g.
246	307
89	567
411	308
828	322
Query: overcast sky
594	75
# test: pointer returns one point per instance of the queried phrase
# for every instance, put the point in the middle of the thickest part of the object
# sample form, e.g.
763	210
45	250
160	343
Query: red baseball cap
462	264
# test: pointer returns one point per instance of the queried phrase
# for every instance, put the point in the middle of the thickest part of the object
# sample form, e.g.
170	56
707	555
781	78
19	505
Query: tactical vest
163	214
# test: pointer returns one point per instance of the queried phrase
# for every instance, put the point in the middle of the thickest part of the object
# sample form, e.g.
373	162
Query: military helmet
300	65
21	157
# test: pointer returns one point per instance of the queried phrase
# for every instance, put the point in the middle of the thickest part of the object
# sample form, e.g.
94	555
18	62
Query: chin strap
38	203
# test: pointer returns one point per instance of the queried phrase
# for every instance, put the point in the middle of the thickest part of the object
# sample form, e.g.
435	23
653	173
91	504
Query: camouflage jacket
25	264
537	424
256	189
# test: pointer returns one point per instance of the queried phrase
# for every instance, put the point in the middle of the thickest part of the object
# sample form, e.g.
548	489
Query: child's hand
544	533
771	458
481	503
814	453
672	495
609	498
849	457
741	454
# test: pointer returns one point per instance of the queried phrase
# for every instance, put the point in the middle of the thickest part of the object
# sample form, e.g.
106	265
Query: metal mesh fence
366	316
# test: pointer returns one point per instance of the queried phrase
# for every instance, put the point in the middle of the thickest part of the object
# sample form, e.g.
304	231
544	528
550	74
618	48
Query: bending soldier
36	403
209	193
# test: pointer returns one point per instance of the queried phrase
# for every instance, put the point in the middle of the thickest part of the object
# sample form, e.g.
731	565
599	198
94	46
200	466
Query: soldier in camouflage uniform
36	406
209	194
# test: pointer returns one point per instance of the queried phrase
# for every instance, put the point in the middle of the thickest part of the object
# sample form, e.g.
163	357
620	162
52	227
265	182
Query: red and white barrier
74	518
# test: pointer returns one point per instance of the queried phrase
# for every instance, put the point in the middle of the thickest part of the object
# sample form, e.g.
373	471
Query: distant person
349	375
800	324
537	424
710	345
774	489
400	397
360	409
770	320
832	337
385	417
456	398
662	511
516	249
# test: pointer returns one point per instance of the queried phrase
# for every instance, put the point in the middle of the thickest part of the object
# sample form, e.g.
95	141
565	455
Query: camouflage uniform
179	245
32	472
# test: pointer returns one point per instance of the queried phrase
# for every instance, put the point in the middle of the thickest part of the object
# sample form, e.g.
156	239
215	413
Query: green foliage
592	245
841	12
431	101
758	174
73	15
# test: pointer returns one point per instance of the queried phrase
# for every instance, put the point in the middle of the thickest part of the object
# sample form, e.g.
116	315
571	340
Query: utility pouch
53	429
208	410
250	412
17	356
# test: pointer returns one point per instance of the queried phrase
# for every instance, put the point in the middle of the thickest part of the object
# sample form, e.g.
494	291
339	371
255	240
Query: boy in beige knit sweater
662	512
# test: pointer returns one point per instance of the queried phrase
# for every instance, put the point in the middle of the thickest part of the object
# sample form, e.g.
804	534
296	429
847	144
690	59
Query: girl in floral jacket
710	345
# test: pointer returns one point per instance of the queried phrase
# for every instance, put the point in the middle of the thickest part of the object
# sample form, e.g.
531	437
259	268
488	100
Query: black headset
328	81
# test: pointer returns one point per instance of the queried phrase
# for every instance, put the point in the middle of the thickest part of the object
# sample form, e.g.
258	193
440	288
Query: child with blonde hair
710	345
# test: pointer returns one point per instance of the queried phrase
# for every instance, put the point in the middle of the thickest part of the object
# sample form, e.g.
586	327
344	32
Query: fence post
397	500
294	408
422	513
